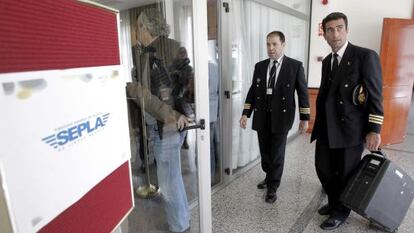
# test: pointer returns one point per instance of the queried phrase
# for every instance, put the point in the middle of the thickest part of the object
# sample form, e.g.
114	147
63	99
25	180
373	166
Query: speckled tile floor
240	206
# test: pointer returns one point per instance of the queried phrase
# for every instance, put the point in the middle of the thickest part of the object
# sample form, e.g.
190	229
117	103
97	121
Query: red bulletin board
100	210
55	34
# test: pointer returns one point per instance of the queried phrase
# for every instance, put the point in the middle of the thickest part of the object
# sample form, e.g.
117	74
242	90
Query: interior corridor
240	206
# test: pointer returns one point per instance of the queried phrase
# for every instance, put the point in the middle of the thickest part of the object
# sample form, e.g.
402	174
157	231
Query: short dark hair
277	33
334	16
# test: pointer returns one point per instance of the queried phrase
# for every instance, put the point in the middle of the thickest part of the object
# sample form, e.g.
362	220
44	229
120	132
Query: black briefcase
379	191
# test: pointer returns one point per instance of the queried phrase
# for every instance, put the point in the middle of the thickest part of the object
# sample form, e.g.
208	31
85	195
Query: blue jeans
170	180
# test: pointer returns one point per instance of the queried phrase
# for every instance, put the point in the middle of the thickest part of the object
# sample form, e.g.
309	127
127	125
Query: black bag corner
380	191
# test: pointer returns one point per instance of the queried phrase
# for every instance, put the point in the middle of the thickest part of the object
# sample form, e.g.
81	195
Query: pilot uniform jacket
290	78
347	123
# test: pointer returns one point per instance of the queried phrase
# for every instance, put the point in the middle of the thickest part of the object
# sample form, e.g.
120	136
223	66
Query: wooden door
313	95
397	60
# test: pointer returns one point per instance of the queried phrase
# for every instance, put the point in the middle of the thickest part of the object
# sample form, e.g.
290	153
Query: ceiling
125	4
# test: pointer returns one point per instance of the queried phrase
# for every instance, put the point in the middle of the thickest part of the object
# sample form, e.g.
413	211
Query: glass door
214	89
243	29
169	131
237	69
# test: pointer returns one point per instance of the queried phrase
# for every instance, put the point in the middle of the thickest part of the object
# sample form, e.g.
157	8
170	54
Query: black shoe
332	223
271	196
325	210
262	185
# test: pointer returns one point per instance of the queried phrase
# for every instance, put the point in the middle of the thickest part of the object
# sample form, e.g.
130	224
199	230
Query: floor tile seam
308	213
255	163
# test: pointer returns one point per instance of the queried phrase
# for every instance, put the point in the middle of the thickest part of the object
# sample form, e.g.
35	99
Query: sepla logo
76	131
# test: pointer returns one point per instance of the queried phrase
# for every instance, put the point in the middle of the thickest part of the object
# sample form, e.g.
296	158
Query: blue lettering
75	132
81	127
72	133
62	137
88	127
99	123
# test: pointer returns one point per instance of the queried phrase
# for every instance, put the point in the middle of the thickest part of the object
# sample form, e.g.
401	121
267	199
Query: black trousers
272	150
334	167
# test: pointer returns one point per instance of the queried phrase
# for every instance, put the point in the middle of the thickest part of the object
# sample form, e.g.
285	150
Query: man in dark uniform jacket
272	98
348	112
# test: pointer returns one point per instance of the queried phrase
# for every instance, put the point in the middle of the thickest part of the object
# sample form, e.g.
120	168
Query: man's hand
182	122
372	141
303	126
243	121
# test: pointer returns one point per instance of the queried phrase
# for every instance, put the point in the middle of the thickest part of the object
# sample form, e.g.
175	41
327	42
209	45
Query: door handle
226	6
201	126
227	94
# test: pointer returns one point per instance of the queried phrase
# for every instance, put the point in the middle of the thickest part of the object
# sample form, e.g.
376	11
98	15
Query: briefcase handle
379	152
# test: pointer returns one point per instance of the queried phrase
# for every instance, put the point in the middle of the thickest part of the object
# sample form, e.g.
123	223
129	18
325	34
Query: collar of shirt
278	65
340	53
279	61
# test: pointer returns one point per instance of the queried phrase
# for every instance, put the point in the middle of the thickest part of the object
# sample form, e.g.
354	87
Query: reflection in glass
213	85
162	101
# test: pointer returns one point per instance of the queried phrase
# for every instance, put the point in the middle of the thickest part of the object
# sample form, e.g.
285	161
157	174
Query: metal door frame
202	99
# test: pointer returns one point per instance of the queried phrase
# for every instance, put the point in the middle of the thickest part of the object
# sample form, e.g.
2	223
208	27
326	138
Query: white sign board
62	132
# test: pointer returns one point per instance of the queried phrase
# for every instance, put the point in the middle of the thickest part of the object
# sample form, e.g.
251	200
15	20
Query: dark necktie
272	76
271	84
334	65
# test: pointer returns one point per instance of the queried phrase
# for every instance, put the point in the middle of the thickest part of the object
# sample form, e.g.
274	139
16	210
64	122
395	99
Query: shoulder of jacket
362	50
262	63
292	61
326	58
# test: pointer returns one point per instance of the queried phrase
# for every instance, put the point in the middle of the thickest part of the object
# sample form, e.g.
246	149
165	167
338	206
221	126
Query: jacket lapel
261	81
263	69
282	73
326	69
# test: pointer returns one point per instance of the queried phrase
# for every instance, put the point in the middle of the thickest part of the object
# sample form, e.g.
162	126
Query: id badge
269	91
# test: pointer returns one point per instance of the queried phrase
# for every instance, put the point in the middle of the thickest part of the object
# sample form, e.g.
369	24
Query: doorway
243	26
164	75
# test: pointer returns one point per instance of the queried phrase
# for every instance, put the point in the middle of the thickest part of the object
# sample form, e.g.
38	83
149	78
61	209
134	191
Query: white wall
364	21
